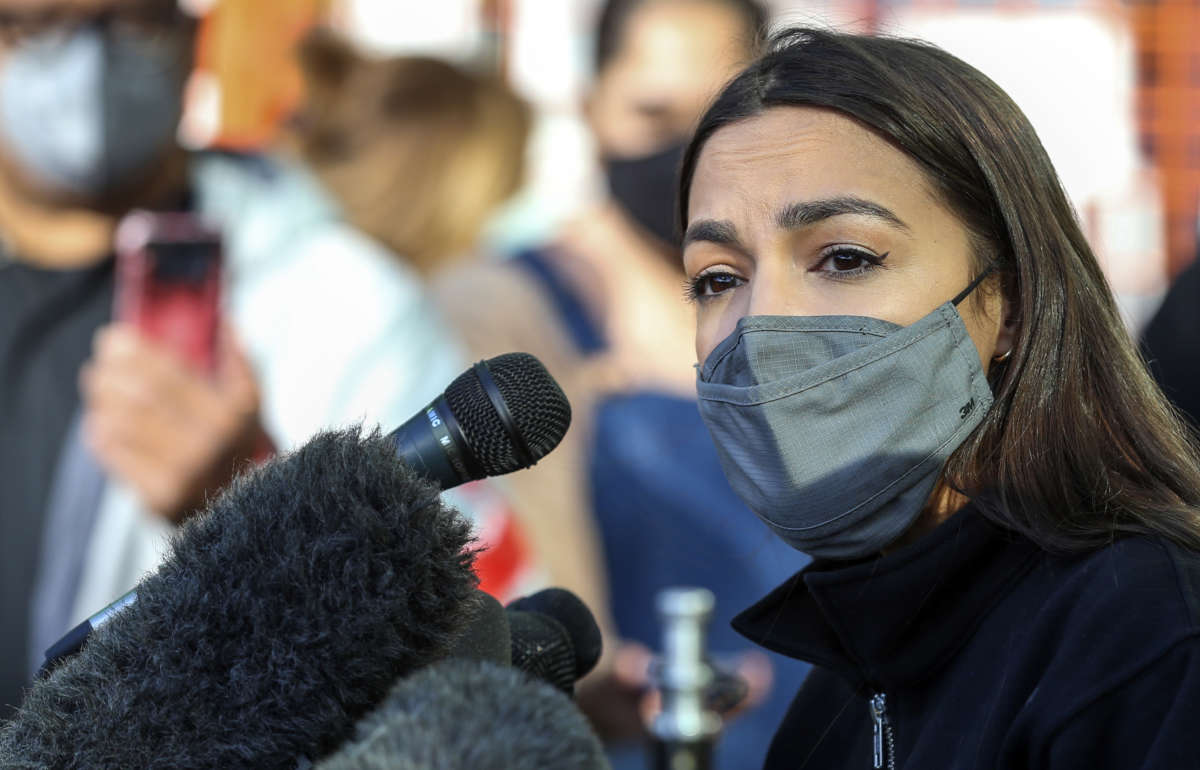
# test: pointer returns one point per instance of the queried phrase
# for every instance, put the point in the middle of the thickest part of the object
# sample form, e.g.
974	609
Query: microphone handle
72	641
433	444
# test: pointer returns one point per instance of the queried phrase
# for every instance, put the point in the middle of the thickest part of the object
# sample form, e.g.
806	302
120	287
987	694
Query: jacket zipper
885	738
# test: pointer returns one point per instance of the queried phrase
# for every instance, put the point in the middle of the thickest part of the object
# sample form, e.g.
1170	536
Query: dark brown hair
615	14
1080	446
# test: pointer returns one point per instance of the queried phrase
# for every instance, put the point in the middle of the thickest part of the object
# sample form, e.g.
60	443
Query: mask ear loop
957	299
971	286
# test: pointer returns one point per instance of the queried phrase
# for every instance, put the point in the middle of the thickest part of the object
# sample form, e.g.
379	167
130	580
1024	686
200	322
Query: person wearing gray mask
90	99
598	303
109	439
90	95
86	110
914	371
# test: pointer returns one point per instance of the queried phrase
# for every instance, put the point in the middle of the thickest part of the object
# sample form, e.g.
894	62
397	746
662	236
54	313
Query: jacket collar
893	620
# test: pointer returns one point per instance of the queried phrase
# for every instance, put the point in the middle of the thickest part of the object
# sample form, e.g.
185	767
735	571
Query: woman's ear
1009	325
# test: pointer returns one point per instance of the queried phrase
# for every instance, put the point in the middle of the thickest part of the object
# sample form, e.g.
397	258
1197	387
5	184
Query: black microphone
501	415
487	635
281	615
554	637
551	636
471	715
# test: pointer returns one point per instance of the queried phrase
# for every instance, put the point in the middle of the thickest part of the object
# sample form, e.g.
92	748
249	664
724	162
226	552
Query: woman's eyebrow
796	216
804	213
711	230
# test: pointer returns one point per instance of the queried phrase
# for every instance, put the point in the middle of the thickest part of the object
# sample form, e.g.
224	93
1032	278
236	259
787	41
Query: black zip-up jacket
973	648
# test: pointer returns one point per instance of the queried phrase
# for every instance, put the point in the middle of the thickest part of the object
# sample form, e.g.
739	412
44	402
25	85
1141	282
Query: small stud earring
1002	357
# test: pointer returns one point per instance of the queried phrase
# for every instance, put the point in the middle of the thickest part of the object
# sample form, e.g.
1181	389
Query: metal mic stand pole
685	731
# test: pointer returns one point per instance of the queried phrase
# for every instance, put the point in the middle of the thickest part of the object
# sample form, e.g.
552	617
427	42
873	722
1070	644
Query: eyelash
869	260
695	288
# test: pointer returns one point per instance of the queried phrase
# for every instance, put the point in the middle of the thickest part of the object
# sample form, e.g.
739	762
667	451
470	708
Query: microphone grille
574	619
541	647
536	402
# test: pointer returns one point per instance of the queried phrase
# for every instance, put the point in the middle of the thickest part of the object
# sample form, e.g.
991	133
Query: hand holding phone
169	282
171	403
174	435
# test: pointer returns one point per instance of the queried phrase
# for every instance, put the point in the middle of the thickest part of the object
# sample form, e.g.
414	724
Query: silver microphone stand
685	731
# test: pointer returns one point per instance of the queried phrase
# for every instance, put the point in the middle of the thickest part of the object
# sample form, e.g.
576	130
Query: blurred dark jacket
1171	343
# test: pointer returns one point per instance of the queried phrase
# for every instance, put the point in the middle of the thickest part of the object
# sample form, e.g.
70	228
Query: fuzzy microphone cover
472	715
282	615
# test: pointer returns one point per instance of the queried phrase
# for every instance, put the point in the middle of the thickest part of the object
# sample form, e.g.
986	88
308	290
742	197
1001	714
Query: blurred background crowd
401	187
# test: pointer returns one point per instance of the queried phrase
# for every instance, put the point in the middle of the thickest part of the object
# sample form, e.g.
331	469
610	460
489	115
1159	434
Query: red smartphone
168	282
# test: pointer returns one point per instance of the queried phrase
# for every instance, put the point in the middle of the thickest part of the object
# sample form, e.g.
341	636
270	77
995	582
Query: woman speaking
914	372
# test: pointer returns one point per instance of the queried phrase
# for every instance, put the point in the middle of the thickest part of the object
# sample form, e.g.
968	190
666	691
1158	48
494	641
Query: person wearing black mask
601	305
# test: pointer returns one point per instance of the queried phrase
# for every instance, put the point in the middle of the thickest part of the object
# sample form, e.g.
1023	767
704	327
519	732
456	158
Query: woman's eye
847	263
711	284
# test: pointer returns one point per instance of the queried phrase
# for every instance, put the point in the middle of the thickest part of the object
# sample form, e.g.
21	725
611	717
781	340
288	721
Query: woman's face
801	211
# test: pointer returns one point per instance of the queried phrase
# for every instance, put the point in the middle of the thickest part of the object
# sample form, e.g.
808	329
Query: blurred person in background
1170	344
602	306
419	153
107	439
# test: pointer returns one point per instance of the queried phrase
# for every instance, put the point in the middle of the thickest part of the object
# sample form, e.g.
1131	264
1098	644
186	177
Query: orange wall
1168	39
247	45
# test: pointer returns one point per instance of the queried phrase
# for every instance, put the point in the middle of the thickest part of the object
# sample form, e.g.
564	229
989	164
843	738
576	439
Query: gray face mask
85	111
834	429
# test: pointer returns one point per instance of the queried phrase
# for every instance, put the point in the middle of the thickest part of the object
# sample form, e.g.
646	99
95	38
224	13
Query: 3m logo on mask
966	409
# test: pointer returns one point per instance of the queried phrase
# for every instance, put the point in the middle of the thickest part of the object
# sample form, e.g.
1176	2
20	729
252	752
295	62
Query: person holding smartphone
109	433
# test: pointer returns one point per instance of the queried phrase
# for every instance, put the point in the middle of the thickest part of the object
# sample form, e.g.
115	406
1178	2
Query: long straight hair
1080	446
